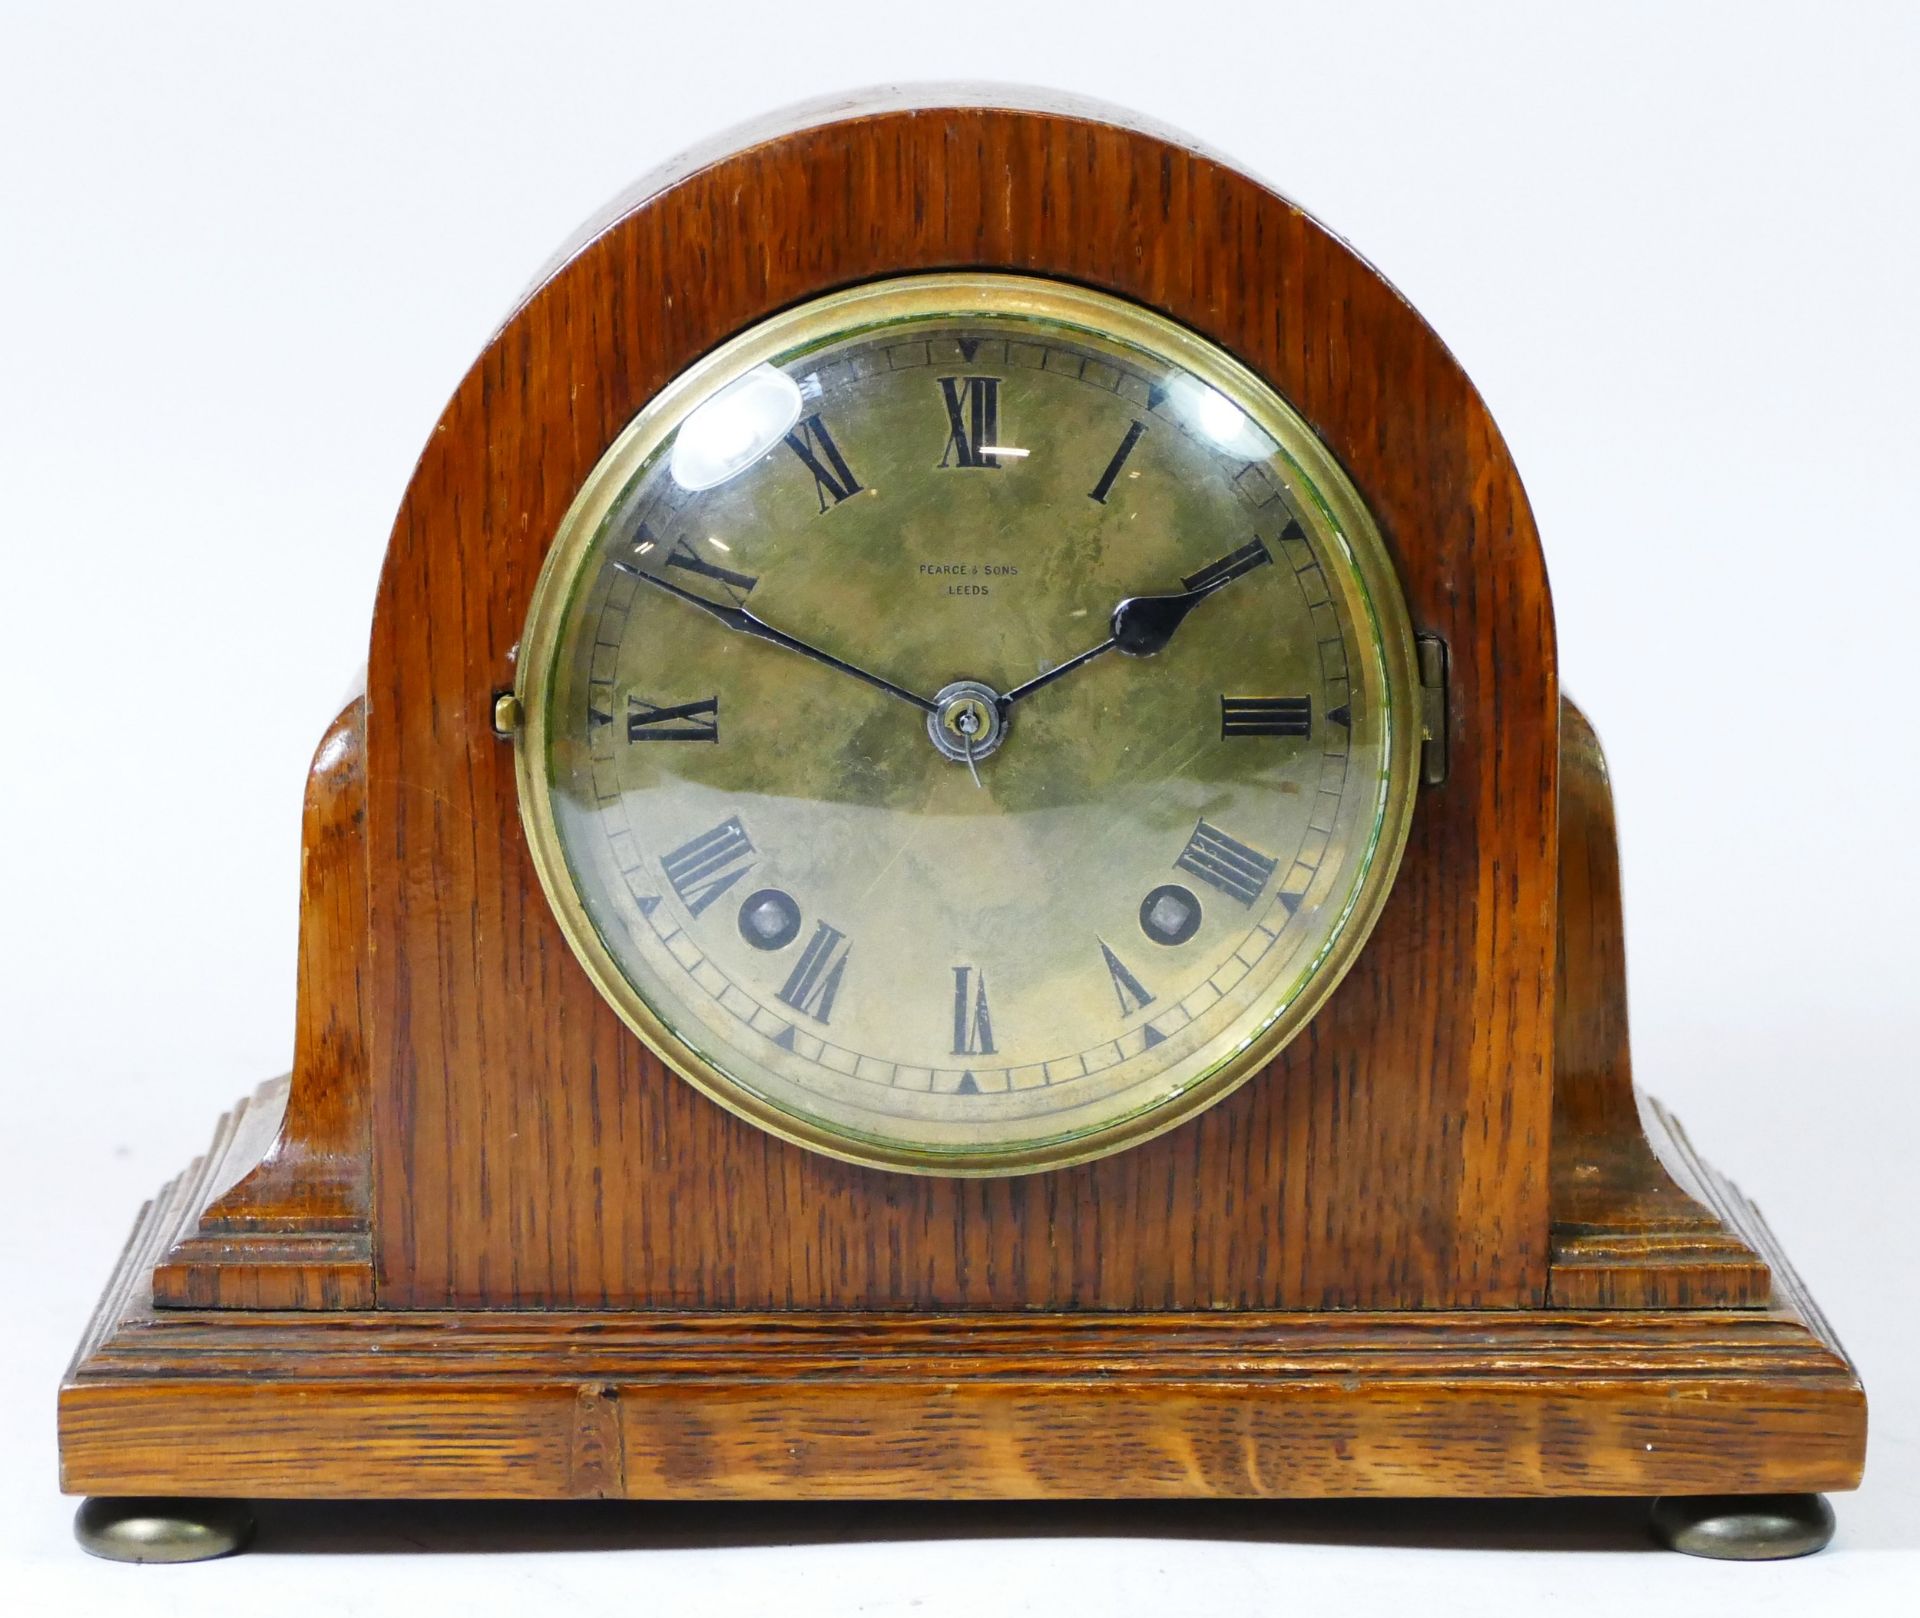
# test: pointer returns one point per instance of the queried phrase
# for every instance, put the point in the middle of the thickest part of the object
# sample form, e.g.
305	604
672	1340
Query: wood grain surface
480	1243
277	1214
529	1152
1638	1220
798	1405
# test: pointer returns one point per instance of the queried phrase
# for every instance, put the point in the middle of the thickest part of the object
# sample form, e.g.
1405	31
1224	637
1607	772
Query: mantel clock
960	872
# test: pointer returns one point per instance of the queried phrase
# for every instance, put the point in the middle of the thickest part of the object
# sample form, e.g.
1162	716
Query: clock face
970	724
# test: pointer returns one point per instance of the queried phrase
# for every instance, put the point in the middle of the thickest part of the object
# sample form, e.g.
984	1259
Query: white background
245	253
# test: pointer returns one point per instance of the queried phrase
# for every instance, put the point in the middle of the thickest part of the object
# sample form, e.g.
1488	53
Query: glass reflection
733	429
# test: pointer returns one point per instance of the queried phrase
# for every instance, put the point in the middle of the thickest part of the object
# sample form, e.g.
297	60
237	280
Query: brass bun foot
162	1530
1744	1527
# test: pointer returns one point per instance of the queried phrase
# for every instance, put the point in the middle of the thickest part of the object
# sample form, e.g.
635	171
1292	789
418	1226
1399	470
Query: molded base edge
845	1406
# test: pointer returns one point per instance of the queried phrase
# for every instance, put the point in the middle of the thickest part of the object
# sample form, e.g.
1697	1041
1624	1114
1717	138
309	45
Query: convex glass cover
970	724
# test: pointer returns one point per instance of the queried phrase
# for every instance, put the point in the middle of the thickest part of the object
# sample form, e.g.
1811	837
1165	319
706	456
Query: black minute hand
740	619
1142	625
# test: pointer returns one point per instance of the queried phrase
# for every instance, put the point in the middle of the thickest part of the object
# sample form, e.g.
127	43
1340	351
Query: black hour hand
1142	625
1230	567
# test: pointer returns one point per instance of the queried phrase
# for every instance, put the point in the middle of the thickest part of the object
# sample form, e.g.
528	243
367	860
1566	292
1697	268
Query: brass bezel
875	304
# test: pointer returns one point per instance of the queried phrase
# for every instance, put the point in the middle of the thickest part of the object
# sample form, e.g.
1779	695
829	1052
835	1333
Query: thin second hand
966	725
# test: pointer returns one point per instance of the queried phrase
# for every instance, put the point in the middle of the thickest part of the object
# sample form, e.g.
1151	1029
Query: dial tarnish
970	724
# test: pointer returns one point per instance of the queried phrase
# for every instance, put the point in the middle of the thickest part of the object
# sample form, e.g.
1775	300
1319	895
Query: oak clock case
926	919
839	958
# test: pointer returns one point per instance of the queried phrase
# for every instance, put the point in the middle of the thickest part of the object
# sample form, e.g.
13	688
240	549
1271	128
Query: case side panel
280	1218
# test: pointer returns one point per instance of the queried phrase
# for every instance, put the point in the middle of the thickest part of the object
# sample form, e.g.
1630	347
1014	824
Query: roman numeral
1104	487
1222	863
703	869
684	556
1230	566
833	479
1127	988
682	722
1266	716
972	1027
973	421
815	979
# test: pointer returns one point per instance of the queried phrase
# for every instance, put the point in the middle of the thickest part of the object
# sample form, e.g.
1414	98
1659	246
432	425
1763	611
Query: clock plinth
1677	1355
482	1242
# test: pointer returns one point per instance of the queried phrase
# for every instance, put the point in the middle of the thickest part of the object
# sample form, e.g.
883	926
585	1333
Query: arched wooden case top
529	1151
481	1242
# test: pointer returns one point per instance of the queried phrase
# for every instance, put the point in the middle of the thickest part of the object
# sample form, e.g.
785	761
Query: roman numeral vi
972	1026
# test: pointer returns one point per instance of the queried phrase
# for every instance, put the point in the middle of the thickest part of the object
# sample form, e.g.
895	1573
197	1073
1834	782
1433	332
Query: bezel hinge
1433	708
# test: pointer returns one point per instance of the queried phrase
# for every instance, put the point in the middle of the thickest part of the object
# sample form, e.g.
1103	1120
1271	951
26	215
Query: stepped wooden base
466	1120
721	1406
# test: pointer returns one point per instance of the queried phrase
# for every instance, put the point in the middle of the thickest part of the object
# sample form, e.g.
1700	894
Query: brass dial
970	724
